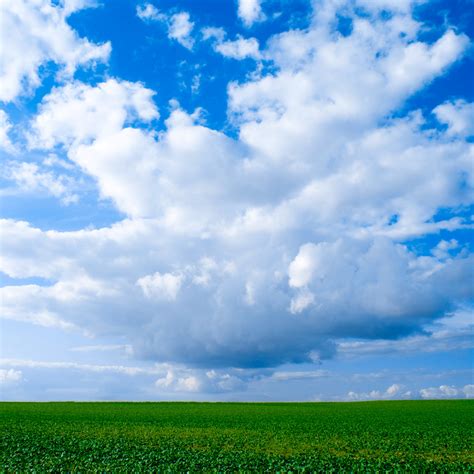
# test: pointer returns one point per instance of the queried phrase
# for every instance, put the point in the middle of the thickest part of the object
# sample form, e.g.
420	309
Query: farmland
373	436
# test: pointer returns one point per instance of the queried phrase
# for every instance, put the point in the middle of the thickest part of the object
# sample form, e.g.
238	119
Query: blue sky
236	200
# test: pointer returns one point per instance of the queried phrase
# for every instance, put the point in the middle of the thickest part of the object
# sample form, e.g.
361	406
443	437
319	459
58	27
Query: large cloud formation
265	248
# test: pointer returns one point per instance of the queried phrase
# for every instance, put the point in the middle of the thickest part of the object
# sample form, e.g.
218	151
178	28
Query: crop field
434	436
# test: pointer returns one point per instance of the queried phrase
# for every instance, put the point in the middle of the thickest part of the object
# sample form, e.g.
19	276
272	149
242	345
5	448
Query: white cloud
239	48
447	391
170	378
179	25
468	390
211	32
393	392
180	379
365	285
250	11
301	301
37	32
391	5
78	113
444	248
180	28
458	115
8	376
161	286
120	369
30	178
89	122
304	265
173	382
126	348
148	12
401	65
5	128
282	376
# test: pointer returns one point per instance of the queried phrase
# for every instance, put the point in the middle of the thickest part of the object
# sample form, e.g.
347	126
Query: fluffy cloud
395	391
361	289
8	376
179	25
37	32
268	247
159	286
458	116
171	378
148	12
78	113
179	379
180	28
447	391
240	48
303	265
87	120
250	11
29	178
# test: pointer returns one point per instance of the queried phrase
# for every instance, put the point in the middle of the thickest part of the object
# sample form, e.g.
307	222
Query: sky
256	200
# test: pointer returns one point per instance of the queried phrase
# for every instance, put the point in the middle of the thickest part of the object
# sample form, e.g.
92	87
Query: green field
373	436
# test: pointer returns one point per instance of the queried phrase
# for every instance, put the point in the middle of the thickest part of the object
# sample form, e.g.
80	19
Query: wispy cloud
119	369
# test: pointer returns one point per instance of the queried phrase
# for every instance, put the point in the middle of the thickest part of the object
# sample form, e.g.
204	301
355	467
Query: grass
428	436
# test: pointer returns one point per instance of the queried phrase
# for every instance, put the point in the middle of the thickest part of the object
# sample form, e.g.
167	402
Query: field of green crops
338	437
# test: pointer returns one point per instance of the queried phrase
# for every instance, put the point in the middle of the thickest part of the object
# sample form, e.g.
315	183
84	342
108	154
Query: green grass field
434	436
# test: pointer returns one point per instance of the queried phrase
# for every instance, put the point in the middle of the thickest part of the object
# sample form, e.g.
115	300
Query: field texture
434	436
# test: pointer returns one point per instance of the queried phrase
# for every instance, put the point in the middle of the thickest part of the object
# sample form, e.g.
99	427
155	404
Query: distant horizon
242	402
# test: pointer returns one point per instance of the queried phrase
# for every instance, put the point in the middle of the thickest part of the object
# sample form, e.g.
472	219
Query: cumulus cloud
458	116
37	32
240	48
394	391
301	301
397	392
269	246
179	25
302	267
209	320
250	11
8	376
180	28
148	12
164	286
181	379
30	178
167	377
447	391
78	113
